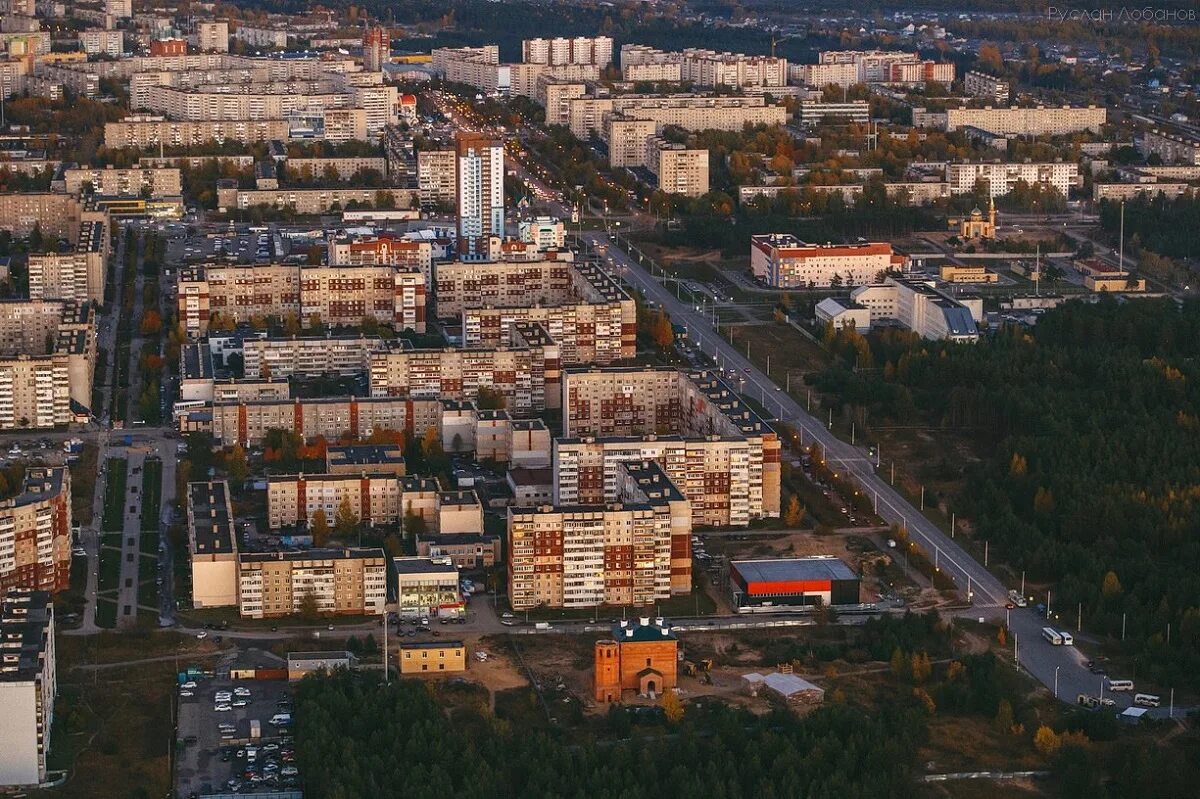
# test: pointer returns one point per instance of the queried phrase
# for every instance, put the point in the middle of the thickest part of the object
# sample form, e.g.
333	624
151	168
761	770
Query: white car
222	708
240	691
201	635
240	703
189	684
506	615
288	771
186	694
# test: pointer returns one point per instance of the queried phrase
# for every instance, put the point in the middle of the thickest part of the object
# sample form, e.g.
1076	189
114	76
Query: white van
1066	638
281	718
1146	700
1120	685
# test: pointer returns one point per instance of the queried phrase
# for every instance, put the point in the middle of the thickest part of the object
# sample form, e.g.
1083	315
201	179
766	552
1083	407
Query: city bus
1051	635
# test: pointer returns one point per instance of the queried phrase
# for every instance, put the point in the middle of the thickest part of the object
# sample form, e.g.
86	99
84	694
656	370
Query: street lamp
1056	668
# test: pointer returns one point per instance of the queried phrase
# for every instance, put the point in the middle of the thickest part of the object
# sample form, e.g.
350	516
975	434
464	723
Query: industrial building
792	581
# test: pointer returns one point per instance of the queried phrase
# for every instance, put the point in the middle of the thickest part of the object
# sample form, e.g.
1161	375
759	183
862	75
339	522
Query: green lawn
151	494
106	613
110	570
114	495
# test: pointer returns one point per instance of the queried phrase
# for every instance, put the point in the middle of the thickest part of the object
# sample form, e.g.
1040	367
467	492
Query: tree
291	324
898	663
345	521
490	398
672	707
414	523
236	466
794	513
1047	741
319	527
151	323
308	608
921	668
1112	585
1004	721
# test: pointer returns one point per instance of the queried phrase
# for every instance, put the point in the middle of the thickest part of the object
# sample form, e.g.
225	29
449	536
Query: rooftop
364	553
364	455
409	565
431	645
210	521
26	618
642	630
778	570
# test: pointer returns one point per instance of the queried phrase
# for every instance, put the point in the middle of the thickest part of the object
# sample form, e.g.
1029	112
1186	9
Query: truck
1015	597
542	625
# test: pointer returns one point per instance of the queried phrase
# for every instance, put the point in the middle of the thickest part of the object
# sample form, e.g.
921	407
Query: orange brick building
642	656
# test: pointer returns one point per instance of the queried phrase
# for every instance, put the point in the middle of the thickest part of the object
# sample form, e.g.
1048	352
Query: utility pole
1121	245
1022	582
952	525
985	554
1123	615
922	497
1079	621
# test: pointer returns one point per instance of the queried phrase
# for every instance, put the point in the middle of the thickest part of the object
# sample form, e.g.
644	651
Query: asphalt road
988	596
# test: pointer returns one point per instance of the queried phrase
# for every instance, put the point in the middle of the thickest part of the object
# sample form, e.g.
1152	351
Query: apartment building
921	308
784	261
559	51
437	172
589	315
813	114
246	421
35	533
109	43
77	275
1034	121
628	140
379	249
119	9
1170	148
922	192
708	68
135	181
479	193
721	455
843	74
309	356
270	38
480	68
377	48
678	168
884	66
46	369
374	498
1002	177
28	686
635	551
981	84
168	47
212	545
55	214
338	168
546	233
338	581
688	111
526	375
1129	191
339	295
212	36
310	202
147	131
554	95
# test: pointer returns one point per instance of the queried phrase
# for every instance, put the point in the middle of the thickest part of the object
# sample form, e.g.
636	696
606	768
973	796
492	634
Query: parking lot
220	753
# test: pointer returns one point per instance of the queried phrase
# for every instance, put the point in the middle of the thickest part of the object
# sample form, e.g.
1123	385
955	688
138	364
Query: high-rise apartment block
633	551
480	194
437	172
28	686
678	168
47	357
337	295
585	311
377	48
35	533
720	453
560	51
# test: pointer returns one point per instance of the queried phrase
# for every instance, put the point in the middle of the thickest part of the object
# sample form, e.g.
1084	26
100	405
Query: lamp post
1056	668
